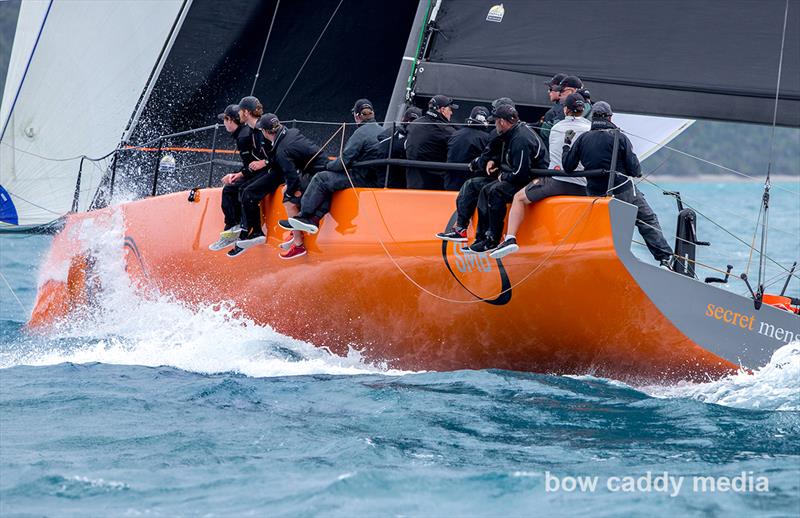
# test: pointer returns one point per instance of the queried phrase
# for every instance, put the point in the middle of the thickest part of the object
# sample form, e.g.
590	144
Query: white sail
648	134
77	70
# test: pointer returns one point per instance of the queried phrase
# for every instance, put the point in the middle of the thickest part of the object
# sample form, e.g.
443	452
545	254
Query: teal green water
150	407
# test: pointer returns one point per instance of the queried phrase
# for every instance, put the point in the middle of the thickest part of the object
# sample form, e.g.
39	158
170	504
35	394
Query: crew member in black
317	197
396	140
256	158
594	150
293	159
554	93
465	145
468	195
569	85
427	141
231	206
522	150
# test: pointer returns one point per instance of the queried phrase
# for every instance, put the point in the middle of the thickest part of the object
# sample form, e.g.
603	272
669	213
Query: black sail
715	59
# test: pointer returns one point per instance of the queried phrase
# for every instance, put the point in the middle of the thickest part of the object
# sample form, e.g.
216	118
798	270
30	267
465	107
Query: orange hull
376	279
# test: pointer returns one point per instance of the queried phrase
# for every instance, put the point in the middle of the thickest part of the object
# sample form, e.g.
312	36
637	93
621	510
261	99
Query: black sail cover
713	59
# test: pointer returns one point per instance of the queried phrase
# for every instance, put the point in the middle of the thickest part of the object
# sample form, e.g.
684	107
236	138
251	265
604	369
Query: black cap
556	80
440	101
506	112
231	112
575	102
411	114
601	109
249	103
361	104
571	82
500	102
479	115
269	122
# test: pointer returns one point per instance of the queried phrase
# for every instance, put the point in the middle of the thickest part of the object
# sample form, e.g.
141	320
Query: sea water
150	407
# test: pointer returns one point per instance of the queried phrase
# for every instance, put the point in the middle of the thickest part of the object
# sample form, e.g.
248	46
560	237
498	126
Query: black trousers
492	207
455	180
252	192
647	223
467	200
316	200
232	204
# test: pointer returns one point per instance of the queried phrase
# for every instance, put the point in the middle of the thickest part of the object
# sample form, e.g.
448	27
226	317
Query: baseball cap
249	103
556	80
506	112
500	102
571	82
575	102
231	111
440	101
269	122
411	114
479	115
361	104
601	109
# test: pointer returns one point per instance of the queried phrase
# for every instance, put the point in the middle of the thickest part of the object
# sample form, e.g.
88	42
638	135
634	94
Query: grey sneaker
222	243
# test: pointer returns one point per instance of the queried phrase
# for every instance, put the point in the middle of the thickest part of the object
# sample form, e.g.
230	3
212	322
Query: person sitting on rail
340	173
465	145
544	187
293	159
393	140
240	120
594	149
469	194
427	141
231	208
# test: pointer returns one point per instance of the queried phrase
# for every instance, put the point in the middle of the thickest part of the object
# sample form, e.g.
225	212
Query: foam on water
775	386
130	326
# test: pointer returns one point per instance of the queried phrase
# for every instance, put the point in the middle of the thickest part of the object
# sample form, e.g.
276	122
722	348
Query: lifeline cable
12	291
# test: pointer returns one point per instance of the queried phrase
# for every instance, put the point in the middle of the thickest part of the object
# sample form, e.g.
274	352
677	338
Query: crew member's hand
490	167
257	165
474	166
568	136
232	177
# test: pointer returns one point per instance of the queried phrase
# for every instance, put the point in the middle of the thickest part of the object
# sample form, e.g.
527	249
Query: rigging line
753	243
50	159
709	162
12	291
319	38
777	90
457	301
34	204
773	261
264	50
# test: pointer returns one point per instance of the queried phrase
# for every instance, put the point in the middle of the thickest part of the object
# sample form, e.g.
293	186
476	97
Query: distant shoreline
727	178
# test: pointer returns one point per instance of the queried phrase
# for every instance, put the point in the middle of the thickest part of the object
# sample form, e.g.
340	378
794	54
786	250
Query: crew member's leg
251	195
498	196
466	203
650	229
231	207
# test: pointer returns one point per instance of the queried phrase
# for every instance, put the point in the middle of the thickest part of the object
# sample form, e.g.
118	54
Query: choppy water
151	407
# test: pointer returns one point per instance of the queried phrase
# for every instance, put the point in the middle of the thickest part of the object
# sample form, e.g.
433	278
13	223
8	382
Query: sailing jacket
357	145
293	154
467	143
593	149
252	146
521	151
555	114
580	126
427	138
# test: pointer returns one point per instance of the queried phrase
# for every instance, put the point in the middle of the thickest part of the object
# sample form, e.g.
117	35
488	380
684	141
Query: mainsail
680	58
72	87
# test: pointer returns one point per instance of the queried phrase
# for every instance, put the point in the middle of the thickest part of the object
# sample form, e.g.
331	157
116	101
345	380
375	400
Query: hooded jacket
467	143
593	149
427	138
521	150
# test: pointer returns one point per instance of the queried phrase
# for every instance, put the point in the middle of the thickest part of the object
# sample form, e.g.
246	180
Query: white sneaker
287	244
303	225
231	233
222	243
509	246
253	241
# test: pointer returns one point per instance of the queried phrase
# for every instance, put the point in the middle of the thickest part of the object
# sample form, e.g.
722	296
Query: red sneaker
294	252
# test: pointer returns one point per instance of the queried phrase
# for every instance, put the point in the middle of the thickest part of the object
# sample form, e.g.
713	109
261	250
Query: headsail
680	58
56	103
